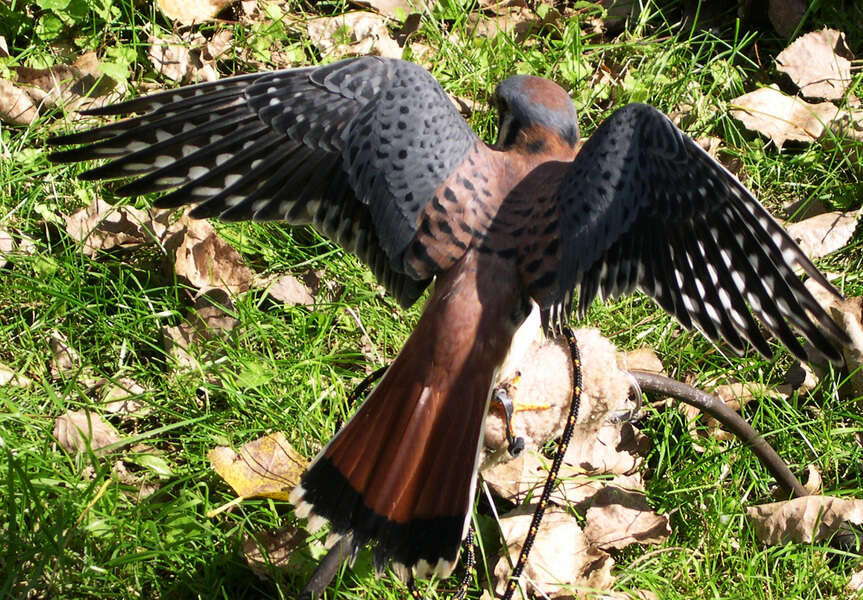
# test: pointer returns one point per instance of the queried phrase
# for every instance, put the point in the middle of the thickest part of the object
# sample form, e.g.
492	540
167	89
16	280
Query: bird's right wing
356	147
644	207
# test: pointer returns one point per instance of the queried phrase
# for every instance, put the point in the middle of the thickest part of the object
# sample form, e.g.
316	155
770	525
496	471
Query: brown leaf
619	517
353	33
102	226
205	260
209	315
855	584
825	233
607	448
804	520
9	376
813	480
517	22
397	9
642	359
848	314
191	11
562	559
176	340
814	65
16	105
64	358
7	245
119	398
285	288
780	117
77	430
264	550
181	59
268	467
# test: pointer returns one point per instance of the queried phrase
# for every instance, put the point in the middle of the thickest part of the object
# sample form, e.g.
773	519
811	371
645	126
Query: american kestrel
372	152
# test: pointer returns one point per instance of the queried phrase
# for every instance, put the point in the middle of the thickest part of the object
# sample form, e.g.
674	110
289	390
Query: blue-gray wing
356	148
644	207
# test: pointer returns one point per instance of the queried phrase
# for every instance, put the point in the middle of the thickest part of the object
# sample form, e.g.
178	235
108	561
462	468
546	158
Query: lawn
132	521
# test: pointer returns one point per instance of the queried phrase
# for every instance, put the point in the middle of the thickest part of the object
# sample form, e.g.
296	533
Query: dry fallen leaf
16	105
285	288
102	226
205	260
848	314
780	117
618	518
825	233
176	340
181	58
264	550
642	359
813	64
64	358
353	33
77	430
268	467
607	448
9	376
855	584
209	315
804	520
813	480
562	559
7	245
120	395
76	86
191	11
397	9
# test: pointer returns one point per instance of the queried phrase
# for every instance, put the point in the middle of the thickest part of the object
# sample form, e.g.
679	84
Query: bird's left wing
357	147
644	207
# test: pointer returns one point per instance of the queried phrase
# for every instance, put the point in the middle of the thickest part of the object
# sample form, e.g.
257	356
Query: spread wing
643	207
356	148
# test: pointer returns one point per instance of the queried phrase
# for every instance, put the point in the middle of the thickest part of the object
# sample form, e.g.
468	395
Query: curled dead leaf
64	358
121	398
285	288
268	467
188	12
274	549
353	33
804	520
16	105
182	58
206	261
9	376
210	314
618	518
78	430
562	560
102	226
781	117
786	15
825	233
818	64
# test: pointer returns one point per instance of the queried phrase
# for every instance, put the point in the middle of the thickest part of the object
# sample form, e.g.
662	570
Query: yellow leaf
268	467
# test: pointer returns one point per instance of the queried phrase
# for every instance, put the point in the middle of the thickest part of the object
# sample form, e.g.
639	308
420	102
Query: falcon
372	153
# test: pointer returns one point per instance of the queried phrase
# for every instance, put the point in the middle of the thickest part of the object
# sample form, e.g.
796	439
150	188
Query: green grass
70	529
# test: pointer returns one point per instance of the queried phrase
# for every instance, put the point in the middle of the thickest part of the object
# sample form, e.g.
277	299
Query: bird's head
532	107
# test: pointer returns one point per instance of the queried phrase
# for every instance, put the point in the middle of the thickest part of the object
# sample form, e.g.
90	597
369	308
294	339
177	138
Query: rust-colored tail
401	473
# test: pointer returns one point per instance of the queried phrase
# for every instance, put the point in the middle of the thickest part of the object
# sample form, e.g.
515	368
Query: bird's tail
401	474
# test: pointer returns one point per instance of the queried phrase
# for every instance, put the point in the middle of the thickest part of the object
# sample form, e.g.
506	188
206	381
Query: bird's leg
502	396
633	414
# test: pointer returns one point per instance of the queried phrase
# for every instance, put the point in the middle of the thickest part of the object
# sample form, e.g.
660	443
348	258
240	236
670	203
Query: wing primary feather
733	302
214	159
